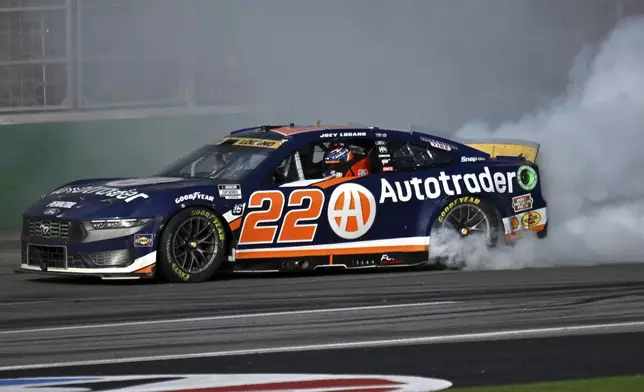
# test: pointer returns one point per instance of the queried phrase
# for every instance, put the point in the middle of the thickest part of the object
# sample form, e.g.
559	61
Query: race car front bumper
67	250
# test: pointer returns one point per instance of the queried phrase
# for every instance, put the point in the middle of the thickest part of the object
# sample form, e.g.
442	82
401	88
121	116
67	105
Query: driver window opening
328	159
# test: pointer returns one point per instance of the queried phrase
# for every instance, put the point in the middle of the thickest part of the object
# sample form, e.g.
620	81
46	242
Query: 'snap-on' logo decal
228	382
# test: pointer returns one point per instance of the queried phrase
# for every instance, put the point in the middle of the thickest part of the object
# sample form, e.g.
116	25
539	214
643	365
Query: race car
283	197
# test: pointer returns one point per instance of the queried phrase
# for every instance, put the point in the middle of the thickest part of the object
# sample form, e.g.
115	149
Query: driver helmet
334	157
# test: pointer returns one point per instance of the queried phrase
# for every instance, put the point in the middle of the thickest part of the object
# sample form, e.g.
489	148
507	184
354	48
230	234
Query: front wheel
192	246
462	229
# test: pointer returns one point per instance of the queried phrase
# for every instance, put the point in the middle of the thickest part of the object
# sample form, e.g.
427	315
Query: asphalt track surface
472	328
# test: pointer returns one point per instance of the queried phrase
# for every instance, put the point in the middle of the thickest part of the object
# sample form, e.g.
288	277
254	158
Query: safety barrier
35	158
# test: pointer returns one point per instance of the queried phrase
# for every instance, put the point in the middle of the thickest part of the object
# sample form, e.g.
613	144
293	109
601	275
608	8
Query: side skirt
312	263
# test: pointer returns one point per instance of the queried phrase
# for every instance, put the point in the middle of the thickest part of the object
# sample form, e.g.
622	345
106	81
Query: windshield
223	161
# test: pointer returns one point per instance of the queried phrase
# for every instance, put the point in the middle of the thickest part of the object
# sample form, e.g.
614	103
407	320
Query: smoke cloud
591	163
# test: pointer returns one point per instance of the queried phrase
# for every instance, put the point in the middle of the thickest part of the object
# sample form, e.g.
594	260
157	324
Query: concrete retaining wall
36	158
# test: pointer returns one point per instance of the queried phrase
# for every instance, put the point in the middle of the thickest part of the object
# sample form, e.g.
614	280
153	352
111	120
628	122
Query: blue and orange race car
277	198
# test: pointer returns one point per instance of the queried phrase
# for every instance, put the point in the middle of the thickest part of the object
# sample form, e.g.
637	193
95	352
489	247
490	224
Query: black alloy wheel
192	246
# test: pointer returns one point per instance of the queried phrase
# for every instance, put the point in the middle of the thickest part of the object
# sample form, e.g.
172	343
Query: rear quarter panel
493	181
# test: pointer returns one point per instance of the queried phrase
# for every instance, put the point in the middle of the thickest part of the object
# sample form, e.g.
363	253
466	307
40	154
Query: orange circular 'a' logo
351	211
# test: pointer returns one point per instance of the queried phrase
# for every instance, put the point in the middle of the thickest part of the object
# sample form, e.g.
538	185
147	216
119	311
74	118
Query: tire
200	235
482	220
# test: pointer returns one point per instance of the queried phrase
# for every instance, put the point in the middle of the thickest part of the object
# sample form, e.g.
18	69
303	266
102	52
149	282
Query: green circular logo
527	177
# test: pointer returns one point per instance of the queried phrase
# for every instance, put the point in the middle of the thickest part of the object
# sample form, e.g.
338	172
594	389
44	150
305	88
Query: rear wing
506	147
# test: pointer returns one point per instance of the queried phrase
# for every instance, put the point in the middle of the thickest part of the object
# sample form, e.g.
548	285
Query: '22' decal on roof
291	229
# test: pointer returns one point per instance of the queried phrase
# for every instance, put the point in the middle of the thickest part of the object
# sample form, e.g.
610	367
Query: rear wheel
461	227
192	246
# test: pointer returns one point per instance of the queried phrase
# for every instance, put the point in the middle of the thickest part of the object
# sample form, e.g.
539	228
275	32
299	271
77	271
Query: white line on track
226	317
344	345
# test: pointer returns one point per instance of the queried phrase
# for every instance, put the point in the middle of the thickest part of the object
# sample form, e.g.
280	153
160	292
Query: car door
298	214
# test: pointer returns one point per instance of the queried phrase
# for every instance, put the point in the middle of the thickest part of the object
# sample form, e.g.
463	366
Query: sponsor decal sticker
388	169
438	144
126	195
363	172
238	209
514	222
472	159
194	196
143	240
229	382
454	203
531	219
382	150
386	260
342	134
252	142
522	203
142	181
527	178
351	211
51	211
381	142
230	191
444	184
61	204
257	143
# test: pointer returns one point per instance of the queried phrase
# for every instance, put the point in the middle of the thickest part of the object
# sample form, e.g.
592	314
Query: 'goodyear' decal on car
451	185
194	196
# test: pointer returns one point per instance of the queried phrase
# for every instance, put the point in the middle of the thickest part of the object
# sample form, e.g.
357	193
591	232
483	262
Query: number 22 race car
279	198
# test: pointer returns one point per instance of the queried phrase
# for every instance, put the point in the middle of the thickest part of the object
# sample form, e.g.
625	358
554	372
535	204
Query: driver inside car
340	161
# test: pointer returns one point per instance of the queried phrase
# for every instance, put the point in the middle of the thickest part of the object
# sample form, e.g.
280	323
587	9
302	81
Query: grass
610	384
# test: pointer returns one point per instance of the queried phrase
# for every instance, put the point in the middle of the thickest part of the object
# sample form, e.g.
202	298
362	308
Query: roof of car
283	131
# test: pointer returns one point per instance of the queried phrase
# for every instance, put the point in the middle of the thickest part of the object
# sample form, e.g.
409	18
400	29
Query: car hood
120	197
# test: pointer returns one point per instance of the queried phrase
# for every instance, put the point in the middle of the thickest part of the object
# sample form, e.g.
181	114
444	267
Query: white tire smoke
591	160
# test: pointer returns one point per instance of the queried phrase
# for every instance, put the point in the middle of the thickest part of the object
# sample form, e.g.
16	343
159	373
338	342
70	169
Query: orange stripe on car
333	181
234	224
145	270
250	254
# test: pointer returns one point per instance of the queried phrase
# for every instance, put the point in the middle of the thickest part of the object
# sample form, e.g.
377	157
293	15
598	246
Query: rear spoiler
506	147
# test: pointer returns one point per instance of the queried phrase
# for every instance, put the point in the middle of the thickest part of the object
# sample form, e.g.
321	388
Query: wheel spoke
205	227
202	239
185	260
195	244
474	216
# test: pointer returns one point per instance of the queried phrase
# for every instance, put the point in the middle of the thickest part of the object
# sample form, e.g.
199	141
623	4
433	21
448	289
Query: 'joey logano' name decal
455	184
126	195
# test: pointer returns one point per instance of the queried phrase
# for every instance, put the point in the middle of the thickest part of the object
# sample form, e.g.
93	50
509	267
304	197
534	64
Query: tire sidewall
169	268
485	205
